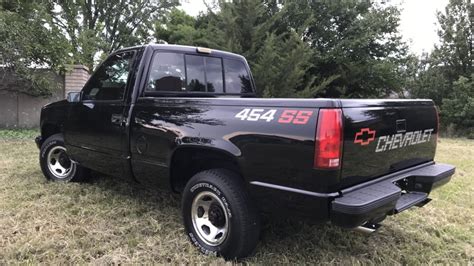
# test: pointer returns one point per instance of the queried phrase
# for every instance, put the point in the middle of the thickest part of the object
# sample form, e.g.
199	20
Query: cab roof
189	50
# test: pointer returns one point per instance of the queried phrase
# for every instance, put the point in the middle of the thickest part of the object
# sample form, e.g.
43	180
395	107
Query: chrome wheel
210	218
59	163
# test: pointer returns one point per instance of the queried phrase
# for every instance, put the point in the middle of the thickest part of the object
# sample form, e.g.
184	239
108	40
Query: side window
167	73
204	74
215	82
180	72
109	82
237	78
196	80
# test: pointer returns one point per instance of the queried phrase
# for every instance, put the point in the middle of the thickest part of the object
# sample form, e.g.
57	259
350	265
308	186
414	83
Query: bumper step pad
380	197
367	198
409	199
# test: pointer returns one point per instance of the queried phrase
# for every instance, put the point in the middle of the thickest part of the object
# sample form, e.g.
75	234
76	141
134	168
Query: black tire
54	149
243	228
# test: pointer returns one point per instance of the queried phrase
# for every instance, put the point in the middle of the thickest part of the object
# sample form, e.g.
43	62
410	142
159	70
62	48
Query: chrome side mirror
74	96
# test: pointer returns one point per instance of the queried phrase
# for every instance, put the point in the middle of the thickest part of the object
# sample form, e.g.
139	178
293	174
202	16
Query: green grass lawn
109	221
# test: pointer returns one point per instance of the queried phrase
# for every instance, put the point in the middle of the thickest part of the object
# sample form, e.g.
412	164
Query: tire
219	216
55	162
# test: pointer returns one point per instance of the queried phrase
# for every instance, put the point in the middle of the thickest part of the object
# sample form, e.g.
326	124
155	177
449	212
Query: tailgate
382	137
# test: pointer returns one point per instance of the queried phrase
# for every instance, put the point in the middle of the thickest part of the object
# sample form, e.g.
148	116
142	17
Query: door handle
118	119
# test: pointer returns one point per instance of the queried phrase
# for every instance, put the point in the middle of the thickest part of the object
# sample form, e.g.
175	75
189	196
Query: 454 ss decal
288	116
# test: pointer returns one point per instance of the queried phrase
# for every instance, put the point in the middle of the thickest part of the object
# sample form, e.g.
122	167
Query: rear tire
219	216
56	164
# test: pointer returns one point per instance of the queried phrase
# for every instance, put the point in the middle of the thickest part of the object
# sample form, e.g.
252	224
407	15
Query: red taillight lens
328	140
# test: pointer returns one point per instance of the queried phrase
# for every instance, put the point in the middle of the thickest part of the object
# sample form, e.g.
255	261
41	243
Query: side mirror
74	96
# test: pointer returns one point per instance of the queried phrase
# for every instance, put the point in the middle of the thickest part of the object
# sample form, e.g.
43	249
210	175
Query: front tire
56	164
219	216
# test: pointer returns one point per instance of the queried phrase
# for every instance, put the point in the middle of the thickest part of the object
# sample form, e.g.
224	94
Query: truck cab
98	129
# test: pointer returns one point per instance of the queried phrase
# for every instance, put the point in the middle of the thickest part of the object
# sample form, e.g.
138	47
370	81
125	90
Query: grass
110	221
18	134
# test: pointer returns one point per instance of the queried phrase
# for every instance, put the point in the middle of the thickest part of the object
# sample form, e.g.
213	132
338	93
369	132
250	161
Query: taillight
328	140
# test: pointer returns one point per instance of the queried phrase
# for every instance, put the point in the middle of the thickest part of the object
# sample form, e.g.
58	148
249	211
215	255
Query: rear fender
190	158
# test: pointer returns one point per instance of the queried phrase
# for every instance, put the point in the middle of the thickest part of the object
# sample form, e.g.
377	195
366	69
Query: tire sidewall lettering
201	248
47	147
205	185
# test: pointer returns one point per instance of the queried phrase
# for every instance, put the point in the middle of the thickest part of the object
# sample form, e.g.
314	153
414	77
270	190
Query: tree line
339	49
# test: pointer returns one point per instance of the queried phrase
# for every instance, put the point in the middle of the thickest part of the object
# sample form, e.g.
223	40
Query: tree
52	33
278	66
451	59
28	42
456	34
446	75
458	109
356	44
95	26
308	48
179	28
427	81
275	52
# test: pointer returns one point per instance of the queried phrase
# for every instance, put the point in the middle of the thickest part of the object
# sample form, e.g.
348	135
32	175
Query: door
95	133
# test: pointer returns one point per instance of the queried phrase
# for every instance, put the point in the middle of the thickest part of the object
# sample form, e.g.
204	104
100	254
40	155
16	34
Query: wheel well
48	130
187	162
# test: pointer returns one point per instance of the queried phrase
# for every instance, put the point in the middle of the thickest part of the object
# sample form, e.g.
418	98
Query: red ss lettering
302	117
296	117
287	116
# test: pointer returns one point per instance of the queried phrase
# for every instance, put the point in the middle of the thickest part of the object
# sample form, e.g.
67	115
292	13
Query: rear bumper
368	202
387	195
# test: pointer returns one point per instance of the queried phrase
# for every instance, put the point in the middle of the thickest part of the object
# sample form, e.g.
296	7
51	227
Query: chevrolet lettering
401	140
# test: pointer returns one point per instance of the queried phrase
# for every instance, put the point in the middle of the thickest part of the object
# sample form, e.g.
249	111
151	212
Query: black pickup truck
188	118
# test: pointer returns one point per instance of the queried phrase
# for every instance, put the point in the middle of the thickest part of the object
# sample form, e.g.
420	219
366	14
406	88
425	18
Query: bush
458	109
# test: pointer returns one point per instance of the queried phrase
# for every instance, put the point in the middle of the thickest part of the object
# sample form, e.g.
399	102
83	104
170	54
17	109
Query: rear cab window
193	73
237	77
167	73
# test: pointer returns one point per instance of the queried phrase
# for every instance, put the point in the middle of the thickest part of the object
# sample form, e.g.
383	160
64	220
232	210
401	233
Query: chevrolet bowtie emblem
364	136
